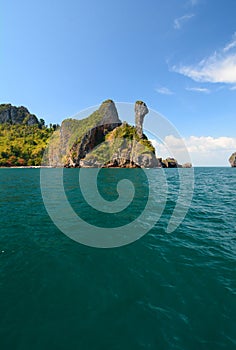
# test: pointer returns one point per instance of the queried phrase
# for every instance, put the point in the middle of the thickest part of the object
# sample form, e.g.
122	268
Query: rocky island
103	140
232	160
100	140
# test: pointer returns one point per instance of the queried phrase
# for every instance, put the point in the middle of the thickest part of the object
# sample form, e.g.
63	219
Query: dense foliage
23	145
122	140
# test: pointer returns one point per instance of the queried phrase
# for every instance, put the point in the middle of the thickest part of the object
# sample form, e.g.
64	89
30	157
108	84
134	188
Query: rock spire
140	111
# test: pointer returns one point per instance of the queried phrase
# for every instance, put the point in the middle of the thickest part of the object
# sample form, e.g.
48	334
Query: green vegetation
130	132
74	130
123	141
23	145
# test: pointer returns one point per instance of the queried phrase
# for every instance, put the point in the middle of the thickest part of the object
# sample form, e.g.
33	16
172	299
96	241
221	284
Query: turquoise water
164	291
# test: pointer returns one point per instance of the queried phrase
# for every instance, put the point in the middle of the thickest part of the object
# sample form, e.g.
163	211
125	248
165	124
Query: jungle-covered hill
23	137
23	145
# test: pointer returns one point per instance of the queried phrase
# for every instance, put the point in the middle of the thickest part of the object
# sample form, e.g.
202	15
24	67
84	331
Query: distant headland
100	140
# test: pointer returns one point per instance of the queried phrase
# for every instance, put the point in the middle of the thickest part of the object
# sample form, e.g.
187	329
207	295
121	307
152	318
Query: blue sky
58	57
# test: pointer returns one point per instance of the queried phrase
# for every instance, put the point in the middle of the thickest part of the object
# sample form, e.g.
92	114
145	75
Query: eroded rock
140	111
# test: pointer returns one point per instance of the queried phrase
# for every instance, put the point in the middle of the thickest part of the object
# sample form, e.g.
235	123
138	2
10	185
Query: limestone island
99	140
232	160
103	140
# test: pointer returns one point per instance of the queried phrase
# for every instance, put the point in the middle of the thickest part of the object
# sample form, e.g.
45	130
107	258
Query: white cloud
164	91
178	22
233	87
199	89
203	150
231	44
220	67
208	143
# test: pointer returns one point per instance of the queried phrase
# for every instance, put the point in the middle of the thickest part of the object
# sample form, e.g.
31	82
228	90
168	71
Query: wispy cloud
164	91
233	87
231	44
203	150
193	2
220	67
199	89
178	22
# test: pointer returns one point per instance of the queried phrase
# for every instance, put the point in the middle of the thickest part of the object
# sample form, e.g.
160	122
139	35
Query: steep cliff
78	137
101	140
16	115
100	123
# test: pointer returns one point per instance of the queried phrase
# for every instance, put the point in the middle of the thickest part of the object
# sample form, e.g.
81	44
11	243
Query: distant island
100	140
232	160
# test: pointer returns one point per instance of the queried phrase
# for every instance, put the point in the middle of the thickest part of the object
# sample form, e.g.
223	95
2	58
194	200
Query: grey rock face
232	160
16	115
93	138
4	117
109	112
96	135
140	111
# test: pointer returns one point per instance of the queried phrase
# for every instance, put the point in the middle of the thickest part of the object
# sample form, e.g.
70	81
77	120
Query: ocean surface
164	291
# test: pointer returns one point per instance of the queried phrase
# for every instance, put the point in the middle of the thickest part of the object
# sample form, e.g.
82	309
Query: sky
179	56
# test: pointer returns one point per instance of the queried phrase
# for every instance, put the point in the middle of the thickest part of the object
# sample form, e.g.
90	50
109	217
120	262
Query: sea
166	290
